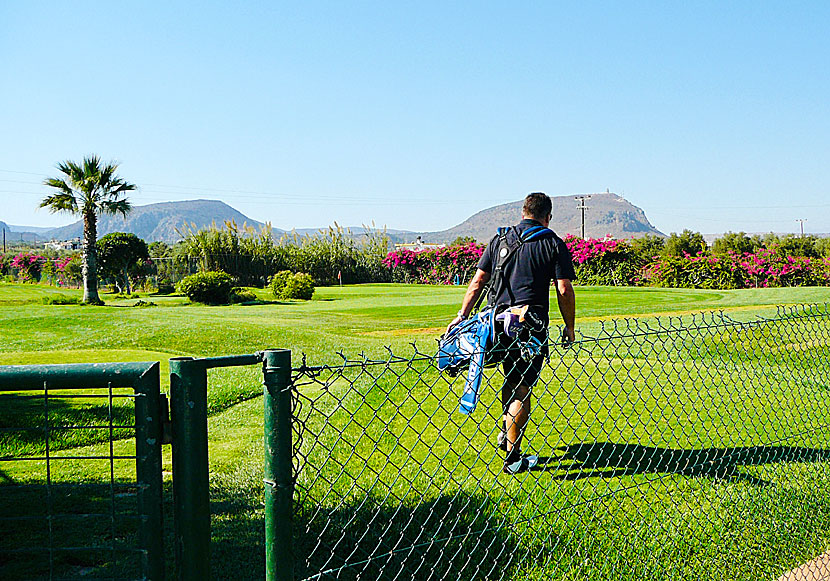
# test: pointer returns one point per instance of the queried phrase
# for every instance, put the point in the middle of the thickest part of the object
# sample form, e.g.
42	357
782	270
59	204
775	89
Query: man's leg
516	403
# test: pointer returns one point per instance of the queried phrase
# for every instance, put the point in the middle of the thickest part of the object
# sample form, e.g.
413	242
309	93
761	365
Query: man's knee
511	393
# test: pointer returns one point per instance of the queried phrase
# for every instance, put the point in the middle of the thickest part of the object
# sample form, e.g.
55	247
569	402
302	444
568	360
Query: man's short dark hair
537	205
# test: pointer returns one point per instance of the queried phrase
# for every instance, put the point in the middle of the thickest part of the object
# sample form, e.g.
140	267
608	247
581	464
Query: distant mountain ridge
162	221
607	214
15	233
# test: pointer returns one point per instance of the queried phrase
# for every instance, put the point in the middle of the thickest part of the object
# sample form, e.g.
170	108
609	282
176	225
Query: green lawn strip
24	294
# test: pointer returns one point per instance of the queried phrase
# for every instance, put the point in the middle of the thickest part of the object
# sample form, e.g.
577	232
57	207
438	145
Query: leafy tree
791	245
122	254
464	241
159	249
88	189
645	248
686	242
822	246
737	242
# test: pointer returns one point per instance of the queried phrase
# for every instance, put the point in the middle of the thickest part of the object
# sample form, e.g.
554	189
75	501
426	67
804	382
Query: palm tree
88	189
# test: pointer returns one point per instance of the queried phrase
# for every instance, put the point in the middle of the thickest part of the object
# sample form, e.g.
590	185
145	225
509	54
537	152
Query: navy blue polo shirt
529	272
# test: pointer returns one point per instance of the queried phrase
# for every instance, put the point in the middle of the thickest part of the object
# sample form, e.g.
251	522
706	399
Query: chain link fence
679	448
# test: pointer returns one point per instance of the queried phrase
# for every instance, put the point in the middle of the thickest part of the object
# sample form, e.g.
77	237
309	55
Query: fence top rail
222	361
72	375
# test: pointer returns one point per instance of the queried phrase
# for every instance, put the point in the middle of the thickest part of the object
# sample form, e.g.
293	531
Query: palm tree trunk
89	265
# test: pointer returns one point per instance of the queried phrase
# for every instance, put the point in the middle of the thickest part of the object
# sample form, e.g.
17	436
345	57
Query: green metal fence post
191	495
279	478
148	432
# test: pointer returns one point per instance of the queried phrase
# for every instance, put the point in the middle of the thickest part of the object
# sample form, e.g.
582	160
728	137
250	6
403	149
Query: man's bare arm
566	298
474	289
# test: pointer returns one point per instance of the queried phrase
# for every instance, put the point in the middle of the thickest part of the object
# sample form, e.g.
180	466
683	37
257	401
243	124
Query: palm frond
92	166
122	207
63	201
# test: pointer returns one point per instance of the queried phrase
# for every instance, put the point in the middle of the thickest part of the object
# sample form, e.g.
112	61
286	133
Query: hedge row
637	262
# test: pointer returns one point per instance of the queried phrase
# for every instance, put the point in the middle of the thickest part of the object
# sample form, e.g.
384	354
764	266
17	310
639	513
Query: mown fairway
401	430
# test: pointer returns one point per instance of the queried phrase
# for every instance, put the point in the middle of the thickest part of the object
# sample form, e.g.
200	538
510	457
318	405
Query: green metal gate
81	471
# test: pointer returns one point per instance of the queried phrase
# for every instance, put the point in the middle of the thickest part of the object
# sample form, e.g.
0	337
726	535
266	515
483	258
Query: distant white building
74	244
418	245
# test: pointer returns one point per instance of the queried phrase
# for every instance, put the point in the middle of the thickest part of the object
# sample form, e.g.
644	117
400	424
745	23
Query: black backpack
505	248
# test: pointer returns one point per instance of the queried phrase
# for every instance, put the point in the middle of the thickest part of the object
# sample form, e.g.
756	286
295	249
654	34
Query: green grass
698	504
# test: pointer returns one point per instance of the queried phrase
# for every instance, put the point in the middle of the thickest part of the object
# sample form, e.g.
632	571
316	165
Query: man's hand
568	337
475	288
453	323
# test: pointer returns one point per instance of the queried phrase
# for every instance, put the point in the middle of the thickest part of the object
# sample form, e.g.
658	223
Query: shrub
61	300
700	271
165	287
299	286
286	285
242	295
211	287
278	282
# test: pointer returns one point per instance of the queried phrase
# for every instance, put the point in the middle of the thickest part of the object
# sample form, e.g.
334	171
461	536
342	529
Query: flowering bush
69	271
28	266
767	267
763	268
688	271
434	265
604	261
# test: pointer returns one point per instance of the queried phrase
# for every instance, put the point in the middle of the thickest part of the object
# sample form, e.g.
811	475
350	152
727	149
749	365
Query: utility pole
583	207
801	221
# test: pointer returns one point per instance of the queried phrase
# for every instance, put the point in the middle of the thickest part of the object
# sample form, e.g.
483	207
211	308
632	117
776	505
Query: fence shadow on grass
91	528
455	536
23	420
609	460
237	533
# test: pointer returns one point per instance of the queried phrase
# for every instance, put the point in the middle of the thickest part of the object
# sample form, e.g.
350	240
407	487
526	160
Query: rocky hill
606	214
161	221
13	234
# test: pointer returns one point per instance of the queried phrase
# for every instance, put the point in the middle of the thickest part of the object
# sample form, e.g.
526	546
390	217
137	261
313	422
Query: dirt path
816	570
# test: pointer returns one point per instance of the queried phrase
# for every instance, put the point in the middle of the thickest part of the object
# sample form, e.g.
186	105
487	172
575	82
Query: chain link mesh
677	448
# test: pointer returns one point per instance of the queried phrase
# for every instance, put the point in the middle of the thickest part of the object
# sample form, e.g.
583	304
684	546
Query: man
526	280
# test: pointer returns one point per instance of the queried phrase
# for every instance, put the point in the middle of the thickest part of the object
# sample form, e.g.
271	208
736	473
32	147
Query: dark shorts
518	371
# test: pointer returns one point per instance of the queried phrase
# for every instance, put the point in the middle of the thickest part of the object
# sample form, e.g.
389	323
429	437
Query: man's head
537	207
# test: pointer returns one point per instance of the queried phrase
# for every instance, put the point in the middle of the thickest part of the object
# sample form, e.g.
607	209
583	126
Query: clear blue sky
709	115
